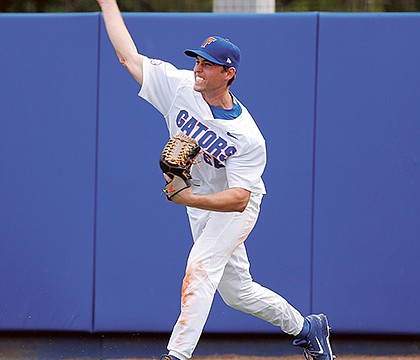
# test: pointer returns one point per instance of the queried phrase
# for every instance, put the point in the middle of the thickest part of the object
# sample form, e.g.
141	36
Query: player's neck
221	100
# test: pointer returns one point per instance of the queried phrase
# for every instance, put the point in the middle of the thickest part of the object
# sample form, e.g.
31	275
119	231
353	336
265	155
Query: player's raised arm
121	39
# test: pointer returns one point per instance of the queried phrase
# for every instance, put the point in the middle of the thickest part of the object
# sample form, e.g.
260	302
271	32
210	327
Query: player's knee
240	298
232	301
233	298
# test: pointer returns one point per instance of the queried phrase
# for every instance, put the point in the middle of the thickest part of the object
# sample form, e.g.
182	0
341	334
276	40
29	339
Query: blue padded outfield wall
88	242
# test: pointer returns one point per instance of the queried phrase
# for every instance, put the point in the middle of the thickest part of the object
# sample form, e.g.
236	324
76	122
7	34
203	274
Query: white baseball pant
218	260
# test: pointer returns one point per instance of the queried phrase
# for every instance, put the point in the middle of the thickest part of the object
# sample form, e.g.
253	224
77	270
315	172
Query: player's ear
230	73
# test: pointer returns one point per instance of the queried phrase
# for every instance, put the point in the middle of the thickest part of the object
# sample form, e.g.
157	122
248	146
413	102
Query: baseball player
224	199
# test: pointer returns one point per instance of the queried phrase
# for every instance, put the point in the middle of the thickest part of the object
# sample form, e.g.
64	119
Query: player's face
209	77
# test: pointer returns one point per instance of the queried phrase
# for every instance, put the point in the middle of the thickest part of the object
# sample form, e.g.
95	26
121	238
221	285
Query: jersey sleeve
160	83
246	170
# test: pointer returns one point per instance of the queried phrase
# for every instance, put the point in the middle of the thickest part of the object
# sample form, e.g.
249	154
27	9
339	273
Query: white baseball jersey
234	152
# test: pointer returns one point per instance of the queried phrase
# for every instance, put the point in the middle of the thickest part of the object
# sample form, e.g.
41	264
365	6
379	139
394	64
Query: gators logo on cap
208	41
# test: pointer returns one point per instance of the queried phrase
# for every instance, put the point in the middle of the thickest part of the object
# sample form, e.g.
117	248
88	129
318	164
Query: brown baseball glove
176	160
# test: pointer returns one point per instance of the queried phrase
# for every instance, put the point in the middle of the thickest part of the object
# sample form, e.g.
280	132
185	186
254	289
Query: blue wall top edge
354	15
207	15
49	15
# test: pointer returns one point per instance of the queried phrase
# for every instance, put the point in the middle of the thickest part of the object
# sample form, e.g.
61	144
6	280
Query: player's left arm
235	199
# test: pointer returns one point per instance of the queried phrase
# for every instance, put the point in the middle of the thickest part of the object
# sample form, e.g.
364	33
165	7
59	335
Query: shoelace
307	355
308	350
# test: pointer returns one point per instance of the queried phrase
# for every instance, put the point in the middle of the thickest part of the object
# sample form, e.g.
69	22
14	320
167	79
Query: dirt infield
65	346
298	357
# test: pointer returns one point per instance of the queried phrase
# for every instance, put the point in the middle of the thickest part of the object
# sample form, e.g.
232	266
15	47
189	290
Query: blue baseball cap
219	51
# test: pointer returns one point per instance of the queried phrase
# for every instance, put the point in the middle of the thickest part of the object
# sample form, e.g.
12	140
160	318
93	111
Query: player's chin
199	87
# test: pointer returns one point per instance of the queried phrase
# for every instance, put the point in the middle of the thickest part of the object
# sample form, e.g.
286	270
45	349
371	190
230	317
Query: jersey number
212	161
